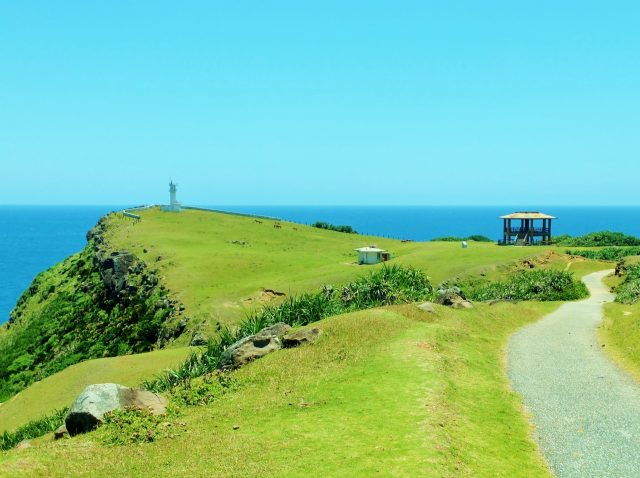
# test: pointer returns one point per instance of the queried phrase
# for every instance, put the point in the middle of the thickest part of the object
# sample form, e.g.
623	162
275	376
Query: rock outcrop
61	433
255	346
89	408
300	337
453	297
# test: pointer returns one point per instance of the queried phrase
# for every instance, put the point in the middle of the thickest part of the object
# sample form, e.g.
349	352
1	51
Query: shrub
204	390
132	425
479	238
602	238
332	227
607	253
544	285
33	429
628	292
474	237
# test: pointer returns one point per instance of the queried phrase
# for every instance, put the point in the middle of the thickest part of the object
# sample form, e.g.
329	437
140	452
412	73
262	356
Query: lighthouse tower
174	205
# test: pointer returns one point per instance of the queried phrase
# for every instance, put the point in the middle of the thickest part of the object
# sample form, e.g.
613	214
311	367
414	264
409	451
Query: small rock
60	433
453	297
427	307
236	427
301	337
198	340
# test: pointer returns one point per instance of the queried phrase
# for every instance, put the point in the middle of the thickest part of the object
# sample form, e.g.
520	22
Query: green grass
59	390
620	335
385	392
620	330
220	281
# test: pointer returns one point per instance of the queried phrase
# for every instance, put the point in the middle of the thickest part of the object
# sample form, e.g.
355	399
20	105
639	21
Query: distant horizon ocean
33	238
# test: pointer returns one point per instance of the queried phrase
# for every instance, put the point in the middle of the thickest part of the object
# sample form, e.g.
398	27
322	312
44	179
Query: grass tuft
33	429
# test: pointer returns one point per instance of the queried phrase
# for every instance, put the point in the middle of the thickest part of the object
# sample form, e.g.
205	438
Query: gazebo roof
527	215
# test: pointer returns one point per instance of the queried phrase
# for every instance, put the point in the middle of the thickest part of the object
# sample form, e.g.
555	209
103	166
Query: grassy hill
389	392
140	285
218	265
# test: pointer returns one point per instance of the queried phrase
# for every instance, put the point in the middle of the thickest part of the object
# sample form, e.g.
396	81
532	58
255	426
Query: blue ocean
33	238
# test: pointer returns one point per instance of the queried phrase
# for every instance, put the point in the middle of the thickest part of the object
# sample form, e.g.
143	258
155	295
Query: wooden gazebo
524	232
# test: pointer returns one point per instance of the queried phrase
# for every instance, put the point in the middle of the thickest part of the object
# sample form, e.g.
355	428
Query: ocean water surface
33	238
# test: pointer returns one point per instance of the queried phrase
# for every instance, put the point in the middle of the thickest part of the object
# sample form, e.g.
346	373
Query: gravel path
586	410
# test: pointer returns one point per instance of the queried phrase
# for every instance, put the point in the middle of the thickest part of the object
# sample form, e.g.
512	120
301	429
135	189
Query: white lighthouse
174	205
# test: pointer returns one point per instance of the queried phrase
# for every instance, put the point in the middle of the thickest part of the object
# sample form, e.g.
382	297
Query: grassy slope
214	277
59	390
395	392
620	330
448	371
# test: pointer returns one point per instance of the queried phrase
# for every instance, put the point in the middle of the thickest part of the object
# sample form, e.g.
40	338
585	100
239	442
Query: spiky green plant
384	286
33	429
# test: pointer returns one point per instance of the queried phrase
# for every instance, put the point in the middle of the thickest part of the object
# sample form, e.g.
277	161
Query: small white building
372	255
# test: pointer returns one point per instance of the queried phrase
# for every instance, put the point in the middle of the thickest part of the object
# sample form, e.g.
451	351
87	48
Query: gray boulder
303	336
89	408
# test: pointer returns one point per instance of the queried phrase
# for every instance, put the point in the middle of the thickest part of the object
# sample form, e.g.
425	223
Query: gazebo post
504	231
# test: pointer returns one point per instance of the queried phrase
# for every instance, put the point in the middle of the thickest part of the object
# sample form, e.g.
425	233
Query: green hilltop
188	273
392	390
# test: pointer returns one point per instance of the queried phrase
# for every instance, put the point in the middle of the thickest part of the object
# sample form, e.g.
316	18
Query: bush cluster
612	253
596	239
333	227
203	390
475	238
384	286
133	425
543	285
628	292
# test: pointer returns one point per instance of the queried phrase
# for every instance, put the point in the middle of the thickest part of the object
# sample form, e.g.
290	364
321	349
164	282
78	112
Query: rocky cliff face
100	302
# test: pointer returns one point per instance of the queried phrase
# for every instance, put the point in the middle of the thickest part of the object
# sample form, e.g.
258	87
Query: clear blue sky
331	102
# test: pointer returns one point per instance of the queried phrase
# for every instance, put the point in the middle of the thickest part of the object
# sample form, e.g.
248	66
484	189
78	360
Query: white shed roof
370	249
